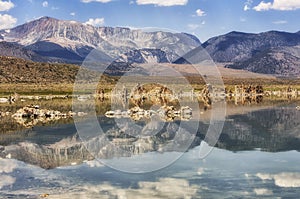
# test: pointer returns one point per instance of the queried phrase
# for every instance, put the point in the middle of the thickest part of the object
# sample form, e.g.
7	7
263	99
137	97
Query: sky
203	18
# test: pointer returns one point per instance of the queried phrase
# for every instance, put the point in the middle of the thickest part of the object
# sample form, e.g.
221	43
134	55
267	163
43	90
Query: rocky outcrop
166	113
145	56
30	116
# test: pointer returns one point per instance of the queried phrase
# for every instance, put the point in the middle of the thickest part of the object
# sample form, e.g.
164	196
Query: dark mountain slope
269	52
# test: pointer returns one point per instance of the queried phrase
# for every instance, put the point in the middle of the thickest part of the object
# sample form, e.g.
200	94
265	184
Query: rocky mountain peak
72	41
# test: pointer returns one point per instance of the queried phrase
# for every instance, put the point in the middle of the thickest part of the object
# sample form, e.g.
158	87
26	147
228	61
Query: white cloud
54	8
278	5
101	1
7	21
72	13
95	22
200	13
280	22
263	6
163	2
131	2
282	179
262	192
248	5
45	4
193	26
243	19
6	5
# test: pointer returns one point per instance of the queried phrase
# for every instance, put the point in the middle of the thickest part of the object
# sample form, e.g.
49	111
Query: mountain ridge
272	52
78	40
52	40
233	47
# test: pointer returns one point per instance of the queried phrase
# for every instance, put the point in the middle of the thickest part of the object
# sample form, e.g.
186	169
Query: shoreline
59	90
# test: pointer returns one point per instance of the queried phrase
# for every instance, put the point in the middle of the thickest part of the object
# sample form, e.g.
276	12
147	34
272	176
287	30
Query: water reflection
275	129
248	128
250	131
223	174
11	124
165	113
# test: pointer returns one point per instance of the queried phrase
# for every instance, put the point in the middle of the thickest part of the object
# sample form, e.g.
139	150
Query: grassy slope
27	77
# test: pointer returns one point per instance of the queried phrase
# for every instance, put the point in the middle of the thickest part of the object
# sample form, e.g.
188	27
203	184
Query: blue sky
204	18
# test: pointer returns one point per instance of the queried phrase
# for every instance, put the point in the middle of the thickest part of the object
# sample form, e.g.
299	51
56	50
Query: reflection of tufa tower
13	98
205	95
100	94
124	96
248	93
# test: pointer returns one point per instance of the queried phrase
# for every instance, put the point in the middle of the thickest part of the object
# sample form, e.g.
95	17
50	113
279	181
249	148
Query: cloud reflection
7	166
262	192
282	179
94	163
6	181
163	188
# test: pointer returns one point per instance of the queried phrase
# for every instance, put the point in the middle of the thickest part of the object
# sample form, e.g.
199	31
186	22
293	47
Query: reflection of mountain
68	152
114	143
271	130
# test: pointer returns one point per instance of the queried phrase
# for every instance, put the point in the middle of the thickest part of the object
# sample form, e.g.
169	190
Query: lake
256	154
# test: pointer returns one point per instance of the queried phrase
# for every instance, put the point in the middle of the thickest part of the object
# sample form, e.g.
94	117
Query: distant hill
270	52
16	50
16	70
283	61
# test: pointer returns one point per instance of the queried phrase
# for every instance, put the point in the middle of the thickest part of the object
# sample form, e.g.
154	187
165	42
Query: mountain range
270	52
70	41
52	40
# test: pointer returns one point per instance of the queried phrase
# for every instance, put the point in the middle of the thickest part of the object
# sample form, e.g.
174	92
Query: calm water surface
257	156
